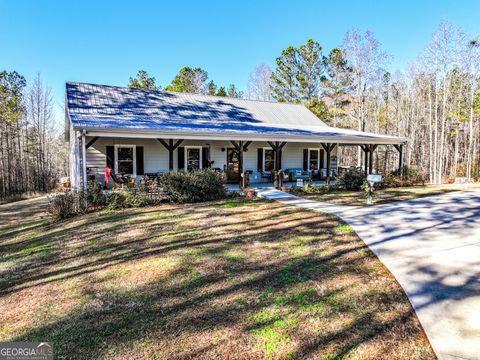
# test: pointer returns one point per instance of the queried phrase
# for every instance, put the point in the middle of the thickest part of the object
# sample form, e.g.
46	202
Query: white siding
156	156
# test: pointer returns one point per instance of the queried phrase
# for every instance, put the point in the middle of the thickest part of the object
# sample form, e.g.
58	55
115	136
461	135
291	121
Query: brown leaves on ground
223	280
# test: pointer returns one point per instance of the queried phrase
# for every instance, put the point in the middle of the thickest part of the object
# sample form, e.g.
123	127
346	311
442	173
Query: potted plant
249	193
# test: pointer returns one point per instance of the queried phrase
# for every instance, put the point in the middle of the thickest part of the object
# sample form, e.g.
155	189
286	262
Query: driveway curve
432	246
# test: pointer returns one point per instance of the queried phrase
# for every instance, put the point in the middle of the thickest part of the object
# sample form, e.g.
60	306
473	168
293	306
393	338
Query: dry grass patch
236	279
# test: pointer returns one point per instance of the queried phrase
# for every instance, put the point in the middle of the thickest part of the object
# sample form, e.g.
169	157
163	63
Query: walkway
432	246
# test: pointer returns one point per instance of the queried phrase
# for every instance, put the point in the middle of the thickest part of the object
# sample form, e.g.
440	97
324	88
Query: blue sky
108	41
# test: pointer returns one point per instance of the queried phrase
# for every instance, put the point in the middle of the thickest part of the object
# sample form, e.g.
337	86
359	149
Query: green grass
343	229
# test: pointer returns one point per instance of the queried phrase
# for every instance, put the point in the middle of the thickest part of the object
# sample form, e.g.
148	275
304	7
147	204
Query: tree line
33	153
434	103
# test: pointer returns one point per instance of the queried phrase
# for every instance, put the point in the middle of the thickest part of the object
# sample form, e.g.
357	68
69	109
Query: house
138	132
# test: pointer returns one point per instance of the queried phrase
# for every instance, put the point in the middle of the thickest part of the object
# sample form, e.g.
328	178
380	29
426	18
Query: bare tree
259	83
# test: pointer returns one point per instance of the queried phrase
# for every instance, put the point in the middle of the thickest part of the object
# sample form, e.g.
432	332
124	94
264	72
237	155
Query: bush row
176	187
355	180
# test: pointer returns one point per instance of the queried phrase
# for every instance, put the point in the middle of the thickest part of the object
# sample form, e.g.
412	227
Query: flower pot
249	193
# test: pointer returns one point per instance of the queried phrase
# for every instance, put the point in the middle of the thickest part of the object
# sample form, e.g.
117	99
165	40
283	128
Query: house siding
156	156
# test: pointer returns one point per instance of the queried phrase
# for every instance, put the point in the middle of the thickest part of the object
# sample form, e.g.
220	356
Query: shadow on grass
272	281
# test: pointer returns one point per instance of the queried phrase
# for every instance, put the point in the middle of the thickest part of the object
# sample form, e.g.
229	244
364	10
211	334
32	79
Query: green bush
314	189
68	204
351	179
95	196
411	177
123	199
193	186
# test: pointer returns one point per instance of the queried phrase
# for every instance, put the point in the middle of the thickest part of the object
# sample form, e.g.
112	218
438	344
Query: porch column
170	146
328	149
400	158
84	161
277	147
365	150
241	147
240	157
370	162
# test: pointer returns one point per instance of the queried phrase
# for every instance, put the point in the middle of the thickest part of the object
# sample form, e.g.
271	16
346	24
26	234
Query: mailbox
374	178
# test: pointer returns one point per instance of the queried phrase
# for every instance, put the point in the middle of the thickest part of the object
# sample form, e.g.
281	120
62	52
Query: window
193	157
125	160
268	159
313	159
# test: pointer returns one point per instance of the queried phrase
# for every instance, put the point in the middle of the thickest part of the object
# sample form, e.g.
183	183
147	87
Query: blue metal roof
100	107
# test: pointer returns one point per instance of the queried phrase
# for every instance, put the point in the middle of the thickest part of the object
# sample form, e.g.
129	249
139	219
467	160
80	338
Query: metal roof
101	108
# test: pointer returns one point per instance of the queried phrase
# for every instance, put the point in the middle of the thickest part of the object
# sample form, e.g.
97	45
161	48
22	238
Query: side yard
225	279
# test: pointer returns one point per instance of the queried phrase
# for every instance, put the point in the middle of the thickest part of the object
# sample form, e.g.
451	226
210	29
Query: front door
233	174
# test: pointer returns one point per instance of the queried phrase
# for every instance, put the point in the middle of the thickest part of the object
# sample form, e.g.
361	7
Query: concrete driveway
432	246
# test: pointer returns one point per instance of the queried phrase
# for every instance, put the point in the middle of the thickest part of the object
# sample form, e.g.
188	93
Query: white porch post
84	162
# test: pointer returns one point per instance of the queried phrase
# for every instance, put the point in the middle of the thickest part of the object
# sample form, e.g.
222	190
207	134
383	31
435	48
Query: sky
106	42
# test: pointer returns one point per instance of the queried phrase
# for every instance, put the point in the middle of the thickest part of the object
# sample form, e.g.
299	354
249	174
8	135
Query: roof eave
226	136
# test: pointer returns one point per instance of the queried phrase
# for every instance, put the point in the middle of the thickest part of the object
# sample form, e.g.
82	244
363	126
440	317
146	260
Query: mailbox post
372	179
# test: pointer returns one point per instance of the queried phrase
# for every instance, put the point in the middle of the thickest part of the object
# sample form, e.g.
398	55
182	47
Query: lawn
223	280
359	198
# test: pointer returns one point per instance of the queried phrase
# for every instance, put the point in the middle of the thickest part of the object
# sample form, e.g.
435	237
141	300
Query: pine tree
143	81
284	78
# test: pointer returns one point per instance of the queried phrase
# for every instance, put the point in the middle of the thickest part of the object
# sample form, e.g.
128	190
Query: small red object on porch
108	171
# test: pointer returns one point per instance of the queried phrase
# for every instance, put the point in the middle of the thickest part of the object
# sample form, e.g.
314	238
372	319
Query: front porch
271	185
136	158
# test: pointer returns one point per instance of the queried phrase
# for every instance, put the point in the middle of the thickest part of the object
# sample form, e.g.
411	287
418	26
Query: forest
434	103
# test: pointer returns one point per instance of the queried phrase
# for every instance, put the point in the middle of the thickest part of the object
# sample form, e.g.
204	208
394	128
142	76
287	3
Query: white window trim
263	157
318	158
185	162
134	147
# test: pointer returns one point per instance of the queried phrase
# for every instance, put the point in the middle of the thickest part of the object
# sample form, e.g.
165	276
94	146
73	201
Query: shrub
95	196
194	186
68	204
314	189
411	177
122	199
351	179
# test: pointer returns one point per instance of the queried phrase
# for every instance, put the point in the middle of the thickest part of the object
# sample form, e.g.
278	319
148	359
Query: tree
143	81
320	109
221	91
284	78
259	82
212	88
310	70
337	86
234	92
471	62
367	62
190	80
32	152
11	110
